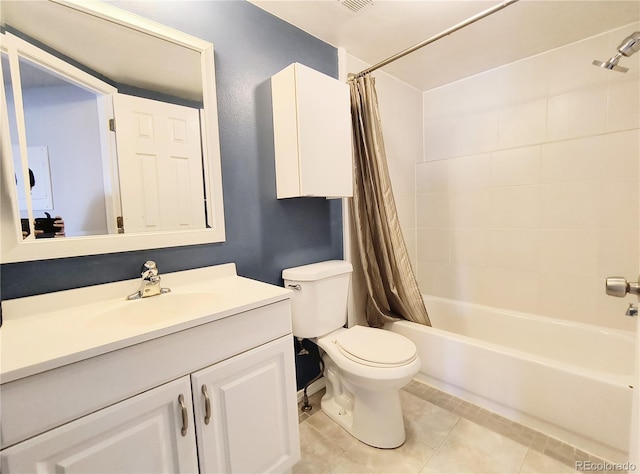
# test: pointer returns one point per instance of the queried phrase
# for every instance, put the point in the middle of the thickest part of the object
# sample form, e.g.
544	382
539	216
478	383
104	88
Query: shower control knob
619	286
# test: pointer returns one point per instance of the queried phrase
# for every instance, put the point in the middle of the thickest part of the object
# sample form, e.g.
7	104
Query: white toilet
365	368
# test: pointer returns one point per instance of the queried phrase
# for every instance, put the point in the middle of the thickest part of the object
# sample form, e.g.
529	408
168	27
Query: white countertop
48	331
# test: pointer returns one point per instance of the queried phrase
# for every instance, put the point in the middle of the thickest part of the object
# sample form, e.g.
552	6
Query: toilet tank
320	292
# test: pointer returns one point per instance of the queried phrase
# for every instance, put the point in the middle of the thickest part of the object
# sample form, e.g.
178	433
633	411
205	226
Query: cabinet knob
207	405
185	415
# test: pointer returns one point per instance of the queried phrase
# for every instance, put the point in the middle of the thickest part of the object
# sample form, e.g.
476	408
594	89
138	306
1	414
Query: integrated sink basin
168	307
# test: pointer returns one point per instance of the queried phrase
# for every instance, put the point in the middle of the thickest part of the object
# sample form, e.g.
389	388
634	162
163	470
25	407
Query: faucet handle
149	270
148	265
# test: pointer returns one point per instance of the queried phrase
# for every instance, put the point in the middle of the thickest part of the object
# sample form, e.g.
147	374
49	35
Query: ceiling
131	56
386	27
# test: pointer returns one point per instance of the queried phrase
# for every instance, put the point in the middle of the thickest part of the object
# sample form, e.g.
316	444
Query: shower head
630	45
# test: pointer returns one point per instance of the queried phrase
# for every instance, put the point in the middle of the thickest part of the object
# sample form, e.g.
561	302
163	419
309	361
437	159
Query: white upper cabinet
312	134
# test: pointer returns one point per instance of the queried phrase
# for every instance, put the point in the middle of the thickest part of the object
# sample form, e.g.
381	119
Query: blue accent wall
264	235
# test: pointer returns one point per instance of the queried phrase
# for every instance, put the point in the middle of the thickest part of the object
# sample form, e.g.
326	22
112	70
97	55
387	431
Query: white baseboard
313	388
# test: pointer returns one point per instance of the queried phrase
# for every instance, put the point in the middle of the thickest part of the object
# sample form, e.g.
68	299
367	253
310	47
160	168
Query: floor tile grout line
524	460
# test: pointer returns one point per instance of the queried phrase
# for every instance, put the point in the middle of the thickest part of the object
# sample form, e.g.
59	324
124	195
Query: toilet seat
375	347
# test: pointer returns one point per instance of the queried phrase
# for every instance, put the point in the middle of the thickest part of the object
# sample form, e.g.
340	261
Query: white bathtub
569	380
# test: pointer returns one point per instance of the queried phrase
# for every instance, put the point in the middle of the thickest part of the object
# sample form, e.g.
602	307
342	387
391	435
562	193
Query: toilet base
372	416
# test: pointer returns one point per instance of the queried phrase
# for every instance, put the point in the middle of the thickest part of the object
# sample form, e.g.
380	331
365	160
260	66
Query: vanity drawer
38	403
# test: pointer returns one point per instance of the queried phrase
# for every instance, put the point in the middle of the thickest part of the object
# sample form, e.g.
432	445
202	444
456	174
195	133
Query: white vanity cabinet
212	393
243	419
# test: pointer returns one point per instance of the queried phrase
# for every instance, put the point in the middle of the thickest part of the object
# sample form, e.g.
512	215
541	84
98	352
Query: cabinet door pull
185	415
207	405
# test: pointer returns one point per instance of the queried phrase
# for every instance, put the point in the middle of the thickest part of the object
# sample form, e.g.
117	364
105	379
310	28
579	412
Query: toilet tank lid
317	271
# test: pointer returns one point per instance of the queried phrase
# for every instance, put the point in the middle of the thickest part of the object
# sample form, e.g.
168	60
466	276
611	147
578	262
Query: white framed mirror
134	53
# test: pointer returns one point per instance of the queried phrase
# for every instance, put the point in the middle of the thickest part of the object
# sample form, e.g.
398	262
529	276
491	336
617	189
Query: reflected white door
160	165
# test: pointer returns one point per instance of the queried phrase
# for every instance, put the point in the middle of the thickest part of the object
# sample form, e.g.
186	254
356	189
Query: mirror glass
64	155
154	181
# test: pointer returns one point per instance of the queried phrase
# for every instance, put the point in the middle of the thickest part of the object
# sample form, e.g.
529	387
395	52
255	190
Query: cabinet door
324	134
253	425
141	434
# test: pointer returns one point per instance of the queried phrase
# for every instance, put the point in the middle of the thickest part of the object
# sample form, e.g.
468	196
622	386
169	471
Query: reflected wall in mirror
58	116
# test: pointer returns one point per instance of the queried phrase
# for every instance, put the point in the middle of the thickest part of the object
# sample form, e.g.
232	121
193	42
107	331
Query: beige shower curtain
392	290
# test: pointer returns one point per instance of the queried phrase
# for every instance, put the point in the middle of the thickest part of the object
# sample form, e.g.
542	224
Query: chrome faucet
150	284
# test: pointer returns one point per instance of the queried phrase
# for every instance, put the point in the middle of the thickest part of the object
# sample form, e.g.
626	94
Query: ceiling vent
356	5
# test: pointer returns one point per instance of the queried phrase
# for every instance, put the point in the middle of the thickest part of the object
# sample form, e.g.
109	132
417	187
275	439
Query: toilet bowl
365	368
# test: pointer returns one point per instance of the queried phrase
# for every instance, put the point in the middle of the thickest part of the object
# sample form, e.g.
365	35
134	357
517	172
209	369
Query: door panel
254	422
160	165
634	447
141	434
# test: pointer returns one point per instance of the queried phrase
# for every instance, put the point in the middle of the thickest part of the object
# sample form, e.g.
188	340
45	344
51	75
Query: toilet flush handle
295	287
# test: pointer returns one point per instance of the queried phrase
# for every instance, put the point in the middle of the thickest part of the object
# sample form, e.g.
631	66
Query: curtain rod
446	32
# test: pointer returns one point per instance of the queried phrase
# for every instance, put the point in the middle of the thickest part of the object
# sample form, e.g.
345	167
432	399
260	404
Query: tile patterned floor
444	435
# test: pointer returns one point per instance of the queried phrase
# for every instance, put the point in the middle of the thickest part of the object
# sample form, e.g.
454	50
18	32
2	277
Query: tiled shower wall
527	195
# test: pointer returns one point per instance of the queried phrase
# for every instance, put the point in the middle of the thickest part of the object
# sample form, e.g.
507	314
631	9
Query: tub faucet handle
619	286
632	310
